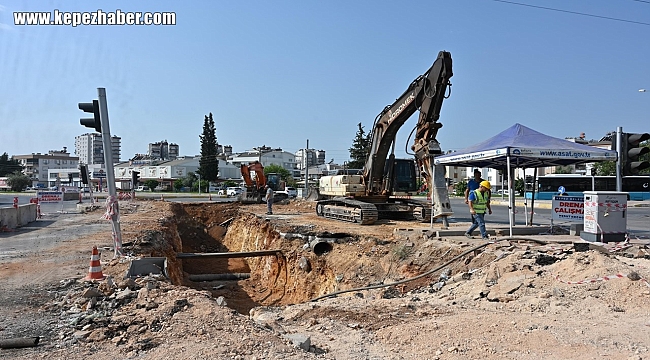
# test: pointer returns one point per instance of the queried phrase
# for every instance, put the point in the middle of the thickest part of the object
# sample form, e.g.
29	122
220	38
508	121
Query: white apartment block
314	157
266	156
90	149
57	163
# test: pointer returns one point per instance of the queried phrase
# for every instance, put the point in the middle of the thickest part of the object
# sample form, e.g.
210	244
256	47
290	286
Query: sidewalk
547	204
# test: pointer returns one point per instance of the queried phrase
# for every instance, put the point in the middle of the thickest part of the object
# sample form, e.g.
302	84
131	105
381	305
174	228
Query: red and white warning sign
568	208
50	197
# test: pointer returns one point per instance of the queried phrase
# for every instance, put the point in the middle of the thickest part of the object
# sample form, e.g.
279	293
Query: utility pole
304	155
619	162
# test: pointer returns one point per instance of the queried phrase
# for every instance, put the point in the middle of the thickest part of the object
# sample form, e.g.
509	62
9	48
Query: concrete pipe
320	247
218	277
18	343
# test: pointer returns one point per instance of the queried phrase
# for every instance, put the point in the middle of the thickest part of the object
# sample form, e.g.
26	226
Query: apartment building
46	169
90	148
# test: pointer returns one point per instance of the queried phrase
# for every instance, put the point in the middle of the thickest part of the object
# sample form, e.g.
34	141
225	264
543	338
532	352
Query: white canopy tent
522	147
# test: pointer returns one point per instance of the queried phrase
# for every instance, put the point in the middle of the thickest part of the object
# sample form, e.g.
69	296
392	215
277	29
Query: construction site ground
333	290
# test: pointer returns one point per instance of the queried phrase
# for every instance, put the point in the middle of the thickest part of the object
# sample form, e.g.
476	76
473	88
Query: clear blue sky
277	73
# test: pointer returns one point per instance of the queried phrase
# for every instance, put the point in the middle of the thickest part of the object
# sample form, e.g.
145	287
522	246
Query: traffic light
135	177
631	152
95	122
84	174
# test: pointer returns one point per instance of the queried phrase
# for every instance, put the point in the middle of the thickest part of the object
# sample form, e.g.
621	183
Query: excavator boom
425	93
365	198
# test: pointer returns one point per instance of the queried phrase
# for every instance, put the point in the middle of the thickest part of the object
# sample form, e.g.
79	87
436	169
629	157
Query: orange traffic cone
95	272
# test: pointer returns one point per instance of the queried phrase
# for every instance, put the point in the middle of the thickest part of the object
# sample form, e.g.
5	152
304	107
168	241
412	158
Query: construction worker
269	200
473	184
479	204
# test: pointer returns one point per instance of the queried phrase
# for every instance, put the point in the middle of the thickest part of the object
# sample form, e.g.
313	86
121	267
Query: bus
638	187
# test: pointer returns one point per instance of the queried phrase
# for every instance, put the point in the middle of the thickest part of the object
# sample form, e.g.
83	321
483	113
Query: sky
281	73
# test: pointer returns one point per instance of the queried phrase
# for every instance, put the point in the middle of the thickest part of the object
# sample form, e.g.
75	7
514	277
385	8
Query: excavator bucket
280	196
314	194
251	197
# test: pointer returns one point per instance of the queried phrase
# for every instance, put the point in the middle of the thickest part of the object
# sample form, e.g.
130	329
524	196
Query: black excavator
385	188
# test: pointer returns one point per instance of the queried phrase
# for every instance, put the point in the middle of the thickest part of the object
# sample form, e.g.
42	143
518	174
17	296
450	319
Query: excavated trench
300	268
244	282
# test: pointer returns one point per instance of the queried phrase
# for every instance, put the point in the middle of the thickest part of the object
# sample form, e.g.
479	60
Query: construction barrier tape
110	208
124	196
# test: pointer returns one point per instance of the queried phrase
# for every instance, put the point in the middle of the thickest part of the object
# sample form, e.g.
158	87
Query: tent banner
487	154
563	154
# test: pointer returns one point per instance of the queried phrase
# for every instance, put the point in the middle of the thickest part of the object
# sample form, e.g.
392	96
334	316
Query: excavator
385	187
255	191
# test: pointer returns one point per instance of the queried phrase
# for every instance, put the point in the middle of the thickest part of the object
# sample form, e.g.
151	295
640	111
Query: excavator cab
403	178
273	180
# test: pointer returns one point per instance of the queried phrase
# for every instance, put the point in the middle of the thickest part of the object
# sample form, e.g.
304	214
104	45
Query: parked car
234	191
141	188
291	191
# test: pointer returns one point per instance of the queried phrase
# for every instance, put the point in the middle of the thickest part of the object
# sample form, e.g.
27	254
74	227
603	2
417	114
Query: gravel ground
508	300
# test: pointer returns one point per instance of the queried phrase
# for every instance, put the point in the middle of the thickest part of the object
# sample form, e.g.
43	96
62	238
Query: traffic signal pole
112	205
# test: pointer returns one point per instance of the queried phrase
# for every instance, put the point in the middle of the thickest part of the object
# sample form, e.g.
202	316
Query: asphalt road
637	217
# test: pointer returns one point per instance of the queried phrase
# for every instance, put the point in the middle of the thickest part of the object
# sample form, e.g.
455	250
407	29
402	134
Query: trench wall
283	278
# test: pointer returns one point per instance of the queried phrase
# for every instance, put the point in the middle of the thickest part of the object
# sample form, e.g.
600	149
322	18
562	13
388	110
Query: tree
8	166
18	181
360	149
520	186
563	169
285	174
604	168
204	185
151	184
459	187
229	183
209	164
178	185
190	179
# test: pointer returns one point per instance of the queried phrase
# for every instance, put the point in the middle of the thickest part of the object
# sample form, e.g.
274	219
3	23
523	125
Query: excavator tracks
422	213
348	210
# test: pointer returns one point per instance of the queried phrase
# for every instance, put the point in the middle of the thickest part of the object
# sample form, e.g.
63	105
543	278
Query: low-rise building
46	170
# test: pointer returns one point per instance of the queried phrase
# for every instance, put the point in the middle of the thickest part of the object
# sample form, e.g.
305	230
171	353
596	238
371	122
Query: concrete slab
146	266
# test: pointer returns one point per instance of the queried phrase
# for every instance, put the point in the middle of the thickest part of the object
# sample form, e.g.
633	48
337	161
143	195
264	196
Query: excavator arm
425	93
260	178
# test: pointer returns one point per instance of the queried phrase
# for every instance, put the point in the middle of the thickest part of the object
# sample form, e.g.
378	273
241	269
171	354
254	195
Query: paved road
637	218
